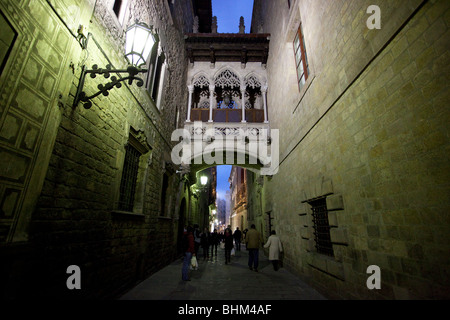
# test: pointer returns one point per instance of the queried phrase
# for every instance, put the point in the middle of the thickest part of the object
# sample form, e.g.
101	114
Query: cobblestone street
214	280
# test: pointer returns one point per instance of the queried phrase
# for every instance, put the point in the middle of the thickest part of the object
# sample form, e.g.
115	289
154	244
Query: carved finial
214	25
241	25
260	27
195	26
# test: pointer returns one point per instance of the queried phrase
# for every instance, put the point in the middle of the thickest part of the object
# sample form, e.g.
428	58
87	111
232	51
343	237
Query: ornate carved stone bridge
227	105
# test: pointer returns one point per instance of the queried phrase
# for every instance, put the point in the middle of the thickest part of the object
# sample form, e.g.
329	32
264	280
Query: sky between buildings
228	13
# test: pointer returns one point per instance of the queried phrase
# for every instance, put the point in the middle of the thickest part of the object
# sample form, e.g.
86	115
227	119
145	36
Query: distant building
238	191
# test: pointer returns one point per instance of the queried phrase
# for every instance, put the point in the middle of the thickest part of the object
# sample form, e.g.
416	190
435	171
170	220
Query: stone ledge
332	219
335	202
126	214
164	218
326	264
339	236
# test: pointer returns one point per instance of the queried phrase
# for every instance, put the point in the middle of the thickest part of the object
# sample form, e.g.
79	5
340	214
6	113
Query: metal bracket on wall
104	89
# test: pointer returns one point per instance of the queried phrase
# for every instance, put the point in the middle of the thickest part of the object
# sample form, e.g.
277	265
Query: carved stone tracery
201	81
227	79
253	82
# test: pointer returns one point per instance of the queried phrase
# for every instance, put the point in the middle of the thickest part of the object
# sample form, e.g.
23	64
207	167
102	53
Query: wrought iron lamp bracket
104	89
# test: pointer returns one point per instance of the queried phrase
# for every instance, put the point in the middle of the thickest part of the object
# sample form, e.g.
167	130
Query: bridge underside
233	158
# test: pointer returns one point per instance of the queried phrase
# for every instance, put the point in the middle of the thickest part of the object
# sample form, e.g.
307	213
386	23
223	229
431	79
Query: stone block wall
369	132
71	158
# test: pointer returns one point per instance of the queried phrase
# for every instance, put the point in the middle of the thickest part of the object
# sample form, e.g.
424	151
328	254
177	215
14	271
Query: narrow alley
214	280
125	122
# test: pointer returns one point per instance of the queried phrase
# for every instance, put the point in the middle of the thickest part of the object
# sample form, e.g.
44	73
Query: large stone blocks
368	133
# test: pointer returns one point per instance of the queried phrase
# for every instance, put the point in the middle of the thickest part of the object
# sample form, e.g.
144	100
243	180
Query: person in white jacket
275	248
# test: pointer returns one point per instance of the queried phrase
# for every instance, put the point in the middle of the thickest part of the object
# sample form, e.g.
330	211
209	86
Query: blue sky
228	13
223	173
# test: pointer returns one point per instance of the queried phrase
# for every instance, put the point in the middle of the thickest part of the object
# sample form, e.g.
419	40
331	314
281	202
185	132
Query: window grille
321	227
129	178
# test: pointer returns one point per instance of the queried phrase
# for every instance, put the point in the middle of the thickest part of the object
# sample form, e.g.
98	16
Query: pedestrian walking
197	238
228	245
275	249
205	242
253	241
189	252
237	235
215	240
244	233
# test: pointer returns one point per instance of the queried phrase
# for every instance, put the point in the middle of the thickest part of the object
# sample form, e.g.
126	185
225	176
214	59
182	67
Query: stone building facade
238	190
364	174
62	166
362	113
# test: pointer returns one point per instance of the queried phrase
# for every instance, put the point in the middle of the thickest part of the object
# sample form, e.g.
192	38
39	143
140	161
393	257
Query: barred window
129	178
321	227
301	58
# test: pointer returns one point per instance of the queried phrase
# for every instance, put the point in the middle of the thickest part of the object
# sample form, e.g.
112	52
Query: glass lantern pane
139	40
129	40
149	46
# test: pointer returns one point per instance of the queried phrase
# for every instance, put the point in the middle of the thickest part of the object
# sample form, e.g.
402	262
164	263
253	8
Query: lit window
301	59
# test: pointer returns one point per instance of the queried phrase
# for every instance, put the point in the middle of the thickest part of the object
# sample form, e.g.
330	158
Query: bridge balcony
227	115
237	130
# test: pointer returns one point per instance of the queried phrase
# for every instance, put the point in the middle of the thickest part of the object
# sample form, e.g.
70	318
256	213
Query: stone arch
201	79
254	85
253	80
197	163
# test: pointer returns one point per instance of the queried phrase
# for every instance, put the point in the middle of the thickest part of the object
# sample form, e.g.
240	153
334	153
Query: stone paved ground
214	280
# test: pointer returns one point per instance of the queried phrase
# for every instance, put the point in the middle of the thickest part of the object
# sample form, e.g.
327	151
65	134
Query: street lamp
203	180
139	43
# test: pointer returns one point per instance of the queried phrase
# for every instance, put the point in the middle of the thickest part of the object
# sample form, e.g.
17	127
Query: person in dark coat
189	252
237	235
215	240
228	239
253	241
205	243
